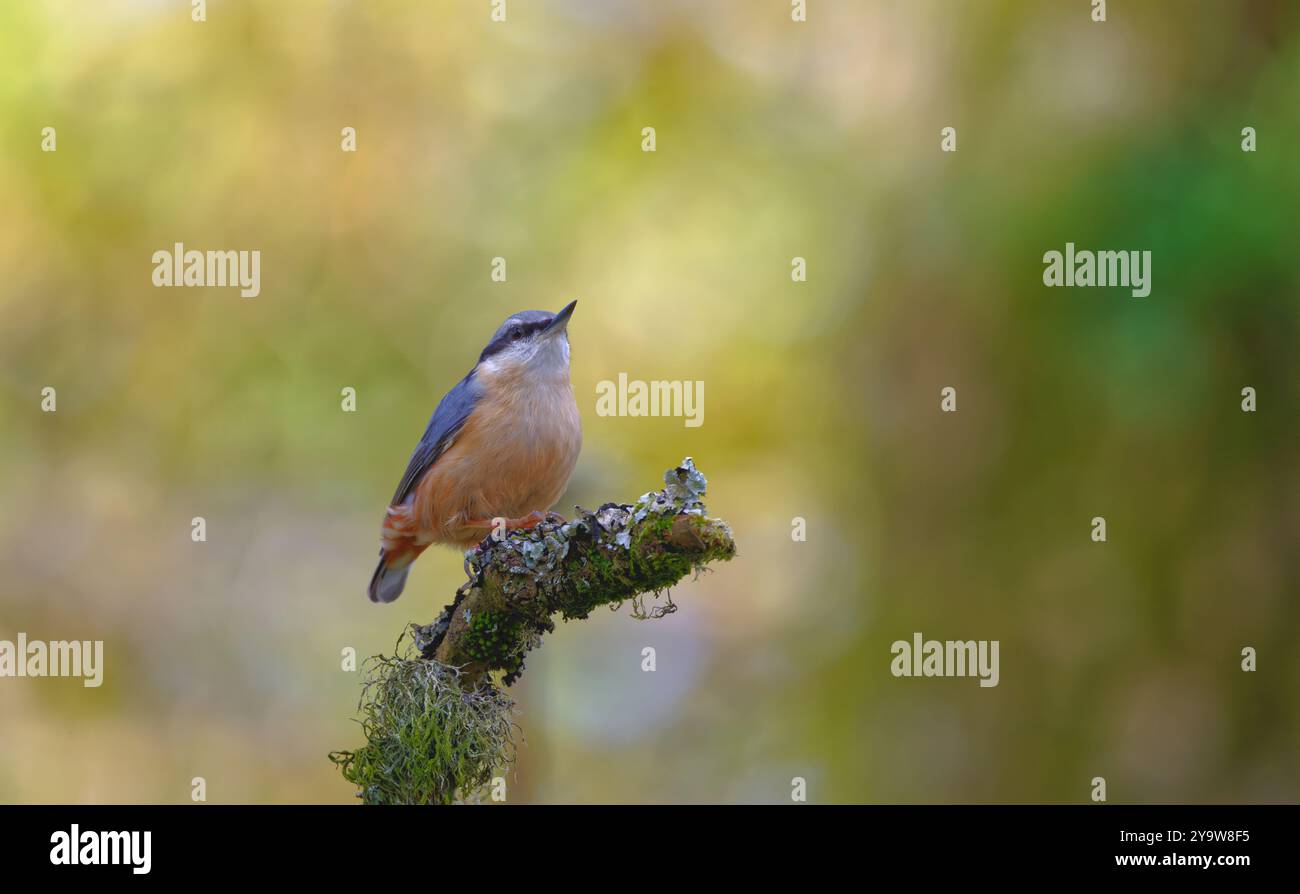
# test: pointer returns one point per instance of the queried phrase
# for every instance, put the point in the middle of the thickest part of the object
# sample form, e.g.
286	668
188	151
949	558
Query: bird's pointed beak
561	320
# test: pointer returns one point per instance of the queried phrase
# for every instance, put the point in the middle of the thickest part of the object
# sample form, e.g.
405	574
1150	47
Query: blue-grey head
531	341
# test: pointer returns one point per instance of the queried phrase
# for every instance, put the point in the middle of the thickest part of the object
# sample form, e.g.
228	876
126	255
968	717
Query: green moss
571	570
428	740
605	574
654	565
497	639
595	580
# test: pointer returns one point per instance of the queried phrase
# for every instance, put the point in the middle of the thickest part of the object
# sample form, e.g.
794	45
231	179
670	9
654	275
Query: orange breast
513	456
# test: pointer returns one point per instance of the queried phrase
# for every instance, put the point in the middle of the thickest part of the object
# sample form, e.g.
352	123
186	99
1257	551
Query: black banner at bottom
215	842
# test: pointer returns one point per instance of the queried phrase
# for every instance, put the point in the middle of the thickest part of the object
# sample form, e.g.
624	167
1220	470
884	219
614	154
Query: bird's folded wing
447	421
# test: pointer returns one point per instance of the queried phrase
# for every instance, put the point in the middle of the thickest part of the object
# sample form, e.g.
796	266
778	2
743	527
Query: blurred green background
775	139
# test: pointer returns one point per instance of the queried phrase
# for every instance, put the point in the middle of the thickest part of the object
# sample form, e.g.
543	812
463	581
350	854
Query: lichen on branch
428	740
436	724
617	553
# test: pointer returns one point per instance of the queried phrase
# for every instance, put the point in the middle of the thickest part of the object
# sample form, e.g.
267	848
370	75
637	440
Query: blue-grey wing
447	421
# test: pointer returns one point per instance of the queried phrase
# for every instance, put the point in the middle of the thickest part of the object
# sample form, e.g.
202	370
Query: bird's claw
471	577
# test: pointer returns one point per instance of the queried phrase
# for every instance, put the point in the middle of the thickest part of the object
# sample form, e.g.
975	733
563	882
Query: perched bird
501	445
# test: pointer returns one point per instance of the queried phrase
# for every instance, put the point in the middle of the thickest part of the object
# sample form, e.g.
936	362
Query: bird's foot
499	526
525	522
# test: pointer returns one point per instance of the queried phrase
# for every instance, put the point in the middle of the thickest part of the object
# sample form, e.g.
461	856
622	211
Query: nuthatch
501	445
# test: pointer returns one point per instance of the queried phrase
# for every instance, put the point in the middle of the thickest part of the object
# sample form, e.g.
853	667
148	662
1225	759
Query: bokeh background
775	140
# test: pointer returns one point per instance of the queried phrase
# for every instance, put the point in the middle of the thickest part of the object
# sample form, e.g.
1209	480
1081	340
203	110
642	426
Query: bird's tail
388	580
400	548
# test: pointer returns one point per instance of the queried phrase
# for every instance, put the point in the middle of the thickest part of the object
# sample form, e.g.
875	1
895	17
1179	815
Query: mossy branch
435	722
617	553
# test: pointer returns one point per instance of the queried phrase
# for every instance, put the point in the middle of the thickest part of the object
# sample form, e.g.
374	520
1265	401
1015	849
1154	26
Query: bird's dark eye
516	334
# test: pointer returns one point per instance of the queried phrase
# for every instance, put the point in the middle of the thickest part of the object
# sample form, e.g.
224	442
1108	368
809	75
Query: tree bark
620	552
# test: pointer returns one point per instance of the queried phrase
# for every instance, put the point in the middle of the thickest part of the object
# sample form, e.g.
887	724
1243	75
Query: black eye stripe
506	336
526	329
